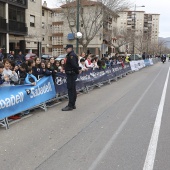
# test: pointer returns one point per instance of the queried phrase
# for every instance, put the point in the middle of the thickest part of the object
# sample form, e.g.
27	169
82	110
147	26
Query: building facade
64	27
142	29
13	25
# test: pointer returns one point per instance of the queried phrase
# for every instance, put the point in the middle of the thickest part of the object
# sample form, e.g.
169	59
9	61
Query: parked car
30	56
46	56
135	57
60	57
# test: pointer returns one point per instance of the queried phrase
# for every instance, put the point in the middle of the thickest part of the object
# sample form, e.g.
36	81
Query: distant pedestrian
144	56
72	70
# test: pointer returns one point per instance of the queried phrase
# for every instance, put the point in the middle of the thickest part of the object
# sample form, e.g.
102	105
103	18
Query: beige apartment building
142	28
34	24
63	30
47	15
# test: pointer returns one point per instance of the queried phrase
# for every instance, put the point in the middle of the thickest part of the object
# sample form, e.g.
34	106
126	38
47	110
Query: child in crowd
22	73
94	63
2	78
88	62
82	65
37	70
62	66
45	71
52	65
7	72
31	63
57	66
30	78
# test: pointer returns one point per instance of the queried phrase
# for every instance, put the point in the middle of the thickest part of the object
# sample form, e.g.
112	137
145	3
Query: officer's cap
68	46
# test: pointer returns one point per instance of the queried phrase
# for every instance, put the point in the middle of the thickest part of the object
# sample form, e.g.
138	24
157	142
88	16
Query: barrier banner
90	77
134	65
15	99
147	62
127	67
61	83
151	61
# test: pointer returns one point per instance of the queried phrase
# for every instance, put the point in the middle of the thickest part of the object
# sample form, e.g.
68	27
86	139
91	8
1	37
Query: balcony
19	3
17	28
3	25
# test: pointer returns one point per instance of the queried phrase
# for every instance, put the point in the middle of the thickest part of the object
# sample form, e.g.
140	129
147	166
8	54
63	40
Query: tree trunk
85	48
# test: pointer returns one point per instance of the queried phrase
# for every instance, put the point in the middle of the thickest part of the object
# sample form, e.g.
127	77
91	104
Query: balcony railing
3	24
18	28
22	3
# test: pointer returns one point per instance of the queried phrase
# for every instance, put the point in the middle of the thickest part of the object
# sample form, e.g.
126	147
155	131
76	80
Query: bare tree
122	38
93	15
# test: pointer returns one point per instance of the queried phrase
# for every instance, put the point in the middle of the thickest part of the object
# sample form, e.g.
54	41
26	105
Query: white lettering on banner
11	101
94	74
116	69
60	80
108	71
40	90
86	77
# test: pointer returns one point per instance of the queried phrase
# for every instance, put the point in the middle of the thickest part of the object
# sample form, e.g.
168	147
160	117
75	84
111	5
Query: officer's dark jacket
72	63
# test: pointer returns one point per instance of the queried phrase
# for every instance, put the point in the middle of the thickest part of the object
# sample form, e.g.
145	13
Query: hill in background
167	40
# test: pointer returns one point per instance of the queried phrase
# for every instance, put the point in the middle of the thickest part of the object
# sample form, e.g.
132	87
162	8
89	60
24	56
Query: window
43	25
43	38
43	49
49	38
43	13
2	10
32	21
57	41
16	14
50	14
57	51
57	28
33	0
49	50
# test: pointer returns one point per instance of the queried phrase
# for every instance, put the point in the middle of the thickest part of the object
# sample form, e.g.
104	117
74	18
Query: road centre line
151	153
120	128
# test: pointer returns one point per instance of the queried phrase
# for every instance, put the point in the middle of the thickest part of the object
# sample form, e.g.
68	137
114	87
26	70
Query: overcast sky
161	7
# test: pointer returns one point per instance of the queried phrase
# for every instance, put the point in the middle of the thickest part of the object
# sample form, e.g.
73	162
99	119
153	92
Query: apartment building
13	25
63	29
47	15
25	26
58	32
34	23
142	27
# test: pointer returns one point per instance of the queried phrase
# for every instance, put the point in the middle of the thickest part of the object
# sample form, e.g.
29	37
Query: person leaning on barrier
72	69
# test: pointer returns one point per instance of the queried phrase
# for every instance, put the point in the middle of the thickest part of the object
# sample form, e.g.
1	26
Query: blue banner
90	77
15	99
147	62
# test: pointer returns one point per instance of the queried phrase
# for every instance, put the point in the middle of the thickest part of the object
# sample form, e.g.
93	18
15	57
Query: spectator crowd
18	69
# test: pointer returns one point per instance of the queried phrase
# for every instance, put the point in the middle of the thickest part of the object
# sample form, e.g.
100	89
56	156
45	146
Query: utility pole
77	41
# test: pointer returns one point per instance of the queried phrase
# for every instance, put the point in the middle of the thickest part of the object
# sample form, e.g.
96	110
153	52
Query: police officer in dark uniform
72	69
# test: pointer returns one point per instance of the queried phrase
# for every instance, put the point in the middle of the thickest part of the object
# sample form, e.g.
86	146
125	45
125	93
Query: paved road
113	128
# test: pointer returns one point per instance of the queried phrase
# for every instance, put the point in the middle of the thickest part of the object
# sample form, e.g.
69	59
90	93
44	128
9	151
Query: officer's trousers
71	86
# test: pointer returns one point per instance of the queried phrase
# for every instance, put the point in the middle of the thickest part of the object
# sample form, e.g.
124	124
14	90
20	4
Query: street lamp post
77	41
135	29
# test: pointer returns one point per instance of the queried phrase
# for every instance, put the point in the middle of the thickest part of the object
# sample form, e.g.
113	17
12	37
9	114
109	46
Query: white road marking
118	131
151	153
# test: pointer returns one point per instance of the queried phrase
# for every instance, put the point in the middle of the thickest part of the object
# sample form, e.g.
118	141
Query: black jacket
72	63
